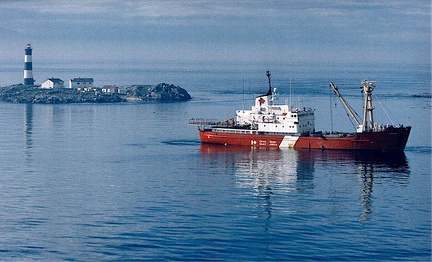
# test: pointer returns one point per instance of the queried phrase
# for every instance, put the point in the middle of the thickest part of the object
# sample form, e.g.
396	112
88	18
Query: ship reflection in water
274	172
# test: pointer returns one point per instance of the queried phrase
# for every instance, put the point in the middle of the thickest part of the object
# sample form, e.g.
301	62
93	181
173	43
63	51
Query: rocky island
33	94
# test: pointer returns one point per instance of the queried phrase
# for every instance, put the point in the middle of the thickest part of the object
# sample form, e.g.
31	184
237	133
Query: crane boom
348	108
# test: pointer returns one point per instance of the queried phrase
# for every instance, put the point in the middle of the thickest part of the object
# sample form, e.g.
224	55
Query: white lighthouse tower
28	67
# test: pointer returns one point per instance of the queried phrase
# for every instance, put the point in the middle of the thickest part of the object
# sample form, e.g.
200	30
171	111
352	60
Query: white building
52	82
80	83
110	89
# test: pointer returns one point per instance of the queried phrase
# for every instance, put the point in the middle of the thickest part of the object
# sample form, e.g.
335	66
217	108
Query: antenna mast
269	92
291	95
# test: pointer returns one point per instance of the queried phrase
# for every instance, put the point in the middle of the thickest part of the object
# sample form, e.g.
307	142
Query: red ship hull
391	139
223	138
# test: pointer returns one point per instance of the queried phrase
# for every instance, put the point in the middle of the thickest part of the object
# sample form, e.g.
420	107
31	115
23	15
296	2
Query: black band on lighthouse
28	66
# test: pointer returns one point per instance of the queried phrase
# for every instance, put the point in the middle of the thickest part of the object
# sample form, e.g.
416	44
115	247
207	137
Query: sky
217	31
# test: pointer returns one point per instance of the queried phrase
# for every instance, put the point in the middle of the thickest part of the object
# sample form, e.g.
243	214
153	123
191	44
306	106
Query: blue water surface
131	181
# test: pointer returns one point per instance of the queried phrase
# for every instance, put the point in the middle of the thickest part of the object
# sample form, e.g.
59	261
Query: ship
271	125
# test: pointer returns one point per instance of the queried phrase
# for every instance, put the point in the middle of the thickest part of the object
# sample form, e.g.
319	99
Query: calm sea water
91	182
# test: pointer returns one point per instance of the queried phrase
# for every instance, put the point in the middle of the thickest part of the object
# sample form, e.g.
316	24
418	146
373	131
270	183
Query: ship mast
368	107
269	92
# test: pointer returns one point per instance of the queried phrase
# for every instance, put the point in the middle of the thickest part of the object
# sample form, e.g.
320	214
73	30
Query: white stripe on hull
288	141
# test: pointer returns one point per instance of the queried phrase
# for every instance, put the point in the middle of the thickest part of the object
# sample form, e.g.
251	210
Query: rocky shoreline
34	95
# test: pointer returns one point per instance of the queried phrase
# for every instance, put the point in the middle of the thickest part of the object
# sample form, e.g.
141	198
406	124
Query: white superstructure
266	116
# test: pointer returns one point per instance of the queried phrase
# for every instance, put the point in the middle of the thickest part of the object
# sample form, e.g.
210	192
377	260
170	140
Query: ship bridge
281	118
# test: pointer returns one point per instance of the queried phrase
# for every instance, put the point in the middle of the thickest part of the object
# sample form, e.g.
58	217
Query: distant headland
162	92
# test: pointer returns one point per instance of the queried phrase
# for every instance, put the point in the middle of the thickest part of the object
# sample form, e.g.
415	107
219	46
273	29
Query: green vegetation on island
161	93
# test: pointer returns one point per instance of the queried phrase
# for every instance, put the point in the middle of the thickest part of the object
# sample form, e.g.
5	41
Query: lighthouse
28	74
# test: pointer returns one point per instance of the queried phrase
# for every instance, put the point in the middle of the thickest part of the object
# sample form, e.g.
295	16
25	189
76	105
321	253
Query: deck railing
212	122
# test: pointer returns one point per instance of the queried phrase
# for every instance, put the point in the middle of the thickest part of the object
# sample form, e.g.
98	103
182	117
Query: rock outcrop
160	92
